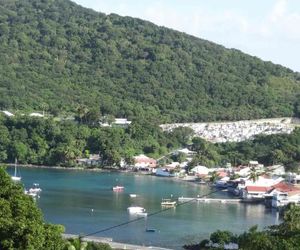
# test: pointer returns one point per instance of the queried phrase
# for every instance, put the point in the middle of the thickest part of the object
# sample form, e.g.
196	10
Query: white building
122	122
36	115
256	190
7	113
276	170
200	170
293	178
283	194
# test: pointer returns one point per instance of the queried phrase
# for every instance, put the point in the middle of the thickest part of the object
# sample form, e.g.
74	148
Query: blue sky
268	29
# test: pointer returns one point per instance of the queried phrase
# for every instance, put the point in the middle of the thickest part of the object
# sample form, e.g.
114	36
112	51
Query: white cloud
279	10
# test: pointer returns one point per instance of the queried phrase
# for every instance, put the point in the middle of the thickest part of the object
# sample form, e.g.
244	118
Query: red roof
222	174
257	189
285	187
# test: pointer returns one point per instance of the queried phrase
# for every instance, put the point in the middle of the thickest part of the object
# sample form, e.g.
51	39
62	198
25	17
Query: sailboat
15	177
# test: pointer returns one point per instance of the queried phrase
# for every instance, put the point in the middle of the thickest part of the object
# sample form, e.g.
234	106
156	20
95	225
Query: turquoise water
68	198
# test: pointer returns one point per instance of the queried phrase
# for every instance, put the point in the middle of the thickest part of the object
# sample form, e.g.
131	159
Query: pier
114	245
208	200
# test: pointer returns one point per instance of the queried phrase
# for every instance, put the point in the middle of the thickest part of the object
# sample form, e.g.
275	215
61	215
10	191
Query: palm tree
214	176
253	175
82	111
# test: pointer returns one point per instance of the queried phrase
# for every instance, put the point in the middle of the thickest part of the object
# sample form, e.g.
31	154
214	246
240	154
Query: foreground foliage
21	222
285	236
59	57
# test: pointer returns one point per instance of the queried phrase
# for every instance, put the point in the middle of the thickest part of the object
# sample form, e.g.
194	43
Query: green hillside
58	56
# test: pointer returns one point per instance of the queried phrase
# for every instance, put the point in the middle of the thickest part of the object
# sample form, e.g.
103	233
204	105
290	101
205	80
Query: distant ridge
58	56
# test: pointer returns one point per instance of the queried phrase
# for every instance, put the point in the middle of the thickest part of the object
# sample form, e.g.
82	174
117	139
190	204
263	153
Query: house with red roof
255	193
284	193
144	162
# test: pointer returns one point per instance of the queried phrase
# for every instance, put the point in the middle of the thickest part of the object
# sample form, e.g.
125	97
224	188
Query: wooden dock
209	200
113	245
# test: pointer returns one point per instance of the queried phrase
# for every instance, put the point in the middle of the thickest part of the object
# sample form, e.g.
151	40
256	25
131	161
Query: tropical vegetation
58	57
49	142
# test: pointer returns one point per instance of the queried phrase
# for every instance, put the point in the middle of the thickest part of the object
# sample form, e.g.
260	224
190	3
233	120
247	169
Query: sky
268	29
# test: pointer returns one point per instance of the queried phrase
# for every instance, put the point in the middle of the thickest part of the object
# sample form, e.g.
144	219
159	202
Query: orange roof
257	189
285	187
222	174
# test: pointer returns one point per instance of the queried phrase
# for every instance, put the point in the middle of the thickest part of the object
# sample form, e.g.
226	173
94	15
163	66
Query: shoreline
104	170
63	168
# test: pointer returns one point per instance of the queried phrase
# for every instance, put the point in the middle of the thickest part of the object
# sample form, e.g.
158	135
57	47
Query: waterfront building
284	193
200	170
144	162
293	178
93	160
250	189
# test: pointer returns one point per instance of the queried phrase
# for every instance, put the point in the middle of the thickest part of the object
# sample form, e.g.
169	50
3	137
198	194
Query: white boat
133	195
136	210
15	177
168	203
142	214
118	188
163	172
36	188
32	194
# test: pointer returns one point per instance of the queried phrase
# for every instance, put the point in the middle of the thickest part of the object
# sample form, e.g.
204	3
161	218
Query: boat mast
15	166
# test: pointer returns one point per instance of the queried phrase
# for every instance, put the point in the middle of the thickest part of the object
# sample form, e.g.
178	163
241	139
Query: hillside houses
237	131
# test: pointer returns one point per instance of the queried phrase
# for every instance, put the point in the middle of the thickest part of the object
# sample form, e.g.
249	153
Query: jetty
113	245
208	200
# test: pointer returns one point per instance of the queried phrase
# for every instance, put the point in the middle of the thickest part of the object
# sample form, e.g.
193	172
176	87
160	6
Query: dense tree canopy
57	56
49	142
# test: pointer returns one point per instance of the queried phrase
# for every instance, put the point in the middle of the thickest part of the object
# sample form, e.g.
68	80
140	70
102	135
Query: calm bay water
69	196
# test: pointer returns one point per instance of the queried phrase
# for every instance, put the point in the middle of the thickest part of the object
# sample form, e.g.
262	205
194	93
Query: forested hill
58	56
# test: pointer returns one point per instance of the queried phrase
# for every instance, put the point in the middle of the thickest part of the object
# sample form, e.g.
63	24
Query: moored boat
142	214
35	189
15	177
136	210
118	188
168	203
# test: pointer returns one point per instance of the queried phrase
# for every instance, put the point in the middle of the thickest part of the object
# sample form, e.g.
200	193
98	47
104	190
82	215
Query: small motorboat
142	214
150	230
136	210
118	188
32	194
35	189
133	195
168	203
